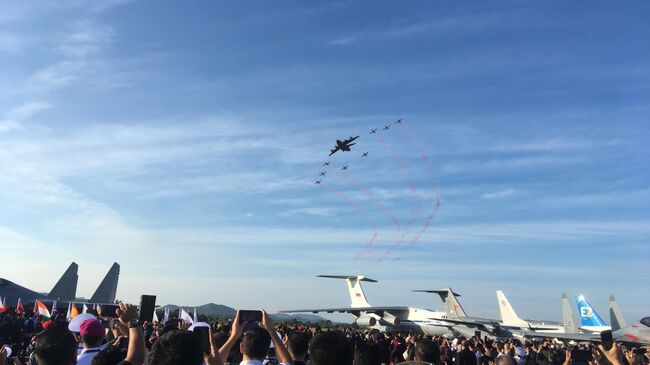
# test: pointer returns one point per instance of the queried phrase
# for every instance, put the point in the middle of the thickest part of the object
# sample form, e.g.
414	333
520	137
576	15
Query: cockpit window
646	321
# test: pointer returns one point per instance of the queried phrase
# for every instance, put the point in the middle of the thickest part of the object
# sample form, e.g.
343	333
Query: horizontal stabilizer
435	291
449	299
357	277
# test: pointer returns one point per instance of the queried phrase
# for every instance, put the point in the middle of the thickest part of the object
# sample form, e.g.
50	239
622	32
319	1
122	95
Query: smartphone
606	339
204	335
579	356
108	310
147	307
250	316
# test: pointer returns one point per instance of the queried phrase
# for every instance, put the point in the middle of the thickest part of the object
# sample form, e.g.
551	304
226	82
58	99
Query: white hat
75	323
198	324
8	349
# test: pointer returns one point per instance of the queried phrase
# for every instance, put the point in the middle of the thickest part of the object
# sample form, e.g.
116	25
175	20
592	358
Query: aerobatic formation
422	205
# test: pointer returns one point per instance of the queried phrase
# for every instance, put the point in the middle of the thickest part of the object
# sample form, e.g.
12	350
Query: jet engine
390	320
366	320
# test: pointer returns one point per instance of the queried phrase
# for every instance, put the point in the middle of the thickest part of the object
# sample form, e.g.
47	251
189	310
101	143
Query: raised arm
280	350
235	332
135	354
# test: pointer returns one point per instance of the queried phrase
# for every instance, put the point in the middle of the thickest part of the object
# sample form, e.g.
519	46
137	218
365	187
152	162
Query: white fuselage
417	320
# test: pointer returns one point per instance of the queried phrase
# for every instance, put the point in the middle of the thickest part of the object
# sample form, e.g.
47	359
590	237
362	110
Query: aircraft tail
567	316
588	316
508	315
107	290
450	300
66	287
615	315
357	296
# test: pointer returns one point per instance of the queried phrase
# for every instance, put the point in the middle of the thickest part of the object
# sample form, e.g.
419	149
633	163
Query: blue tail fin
588	316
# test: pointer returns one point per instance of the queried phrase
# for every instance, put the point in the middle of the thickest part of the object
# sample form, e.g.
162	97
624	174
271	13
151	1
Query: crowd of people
124	340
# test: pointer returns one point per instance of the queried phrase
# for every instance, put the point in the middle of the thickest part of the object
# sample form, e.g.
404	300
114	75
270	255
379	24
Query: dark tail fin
615	314
66	287
107	290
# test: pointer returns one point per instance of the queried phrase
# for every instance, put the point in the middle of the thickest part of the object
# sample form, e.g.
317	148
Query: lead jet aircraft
343	145
387	319
373	131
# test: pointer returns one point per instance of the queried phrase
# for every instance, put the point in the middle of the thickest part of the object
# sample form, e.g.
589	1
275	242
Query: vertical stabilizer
450	300
567	316
588	316
66	287
615	315
107	290
508	315
357	296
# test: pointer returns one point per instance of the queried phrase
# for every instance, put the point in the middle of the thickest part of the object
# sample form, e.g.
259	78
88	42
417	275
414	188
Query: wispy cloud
342	41
499	194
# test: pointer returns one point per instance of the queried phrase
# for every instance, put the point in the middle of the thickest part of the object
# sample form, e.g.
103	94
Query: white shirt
86	356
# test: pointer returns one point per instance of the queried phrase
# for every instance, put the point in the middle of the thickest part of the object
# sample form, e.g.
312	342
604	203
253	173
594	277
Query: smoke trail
374	199
412	188
364	214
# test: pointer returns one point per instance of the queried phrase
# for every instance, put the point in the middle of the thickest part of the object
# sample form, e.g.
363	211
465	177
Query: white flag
186	317
195	320
85	309
68	315
155	317
166	318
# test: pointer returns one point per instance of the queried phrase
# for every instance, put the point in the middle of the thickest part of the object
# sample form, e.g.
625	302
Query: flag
74	311
186	317
85	309
166	318
19	307
155	317
41	309
68	313
3	305
195	320
54	309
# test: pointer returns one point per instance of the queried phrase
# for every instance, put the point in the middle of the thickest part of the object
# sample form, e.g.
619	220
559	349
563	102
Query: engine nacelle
390	320
366	320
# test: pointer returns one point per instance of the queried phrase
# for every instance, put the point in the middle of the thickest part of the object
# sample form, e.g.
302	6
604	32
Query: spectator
55	347
298	345
330	348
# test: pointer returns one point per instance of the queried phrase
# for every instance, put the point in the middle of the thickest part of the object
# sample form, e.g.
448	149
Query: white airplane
387	319
509	318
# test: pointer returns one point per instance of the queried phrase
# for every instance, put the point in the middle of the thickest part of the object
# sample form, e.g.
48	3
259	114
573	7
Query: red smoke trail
374	199
417	214
430	217
363	213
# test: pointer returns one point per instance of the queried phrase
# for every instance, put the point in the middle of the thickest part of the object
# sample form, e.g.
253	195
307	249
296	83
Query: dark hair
177	348
55	346
427	350
298	343
110	356
92	341
255	343
505	360
367	354
330	348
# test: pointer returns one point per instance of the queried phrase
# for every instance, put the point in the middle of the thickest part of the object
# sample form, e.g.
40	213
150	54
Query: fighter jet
343	145
373	131
322	173
399	121
386	127
344	168
326	163
365	154
317	182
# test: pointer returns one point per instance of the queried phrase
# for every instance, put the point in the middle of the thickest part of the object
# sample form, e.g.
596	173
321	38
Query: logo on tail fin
588	317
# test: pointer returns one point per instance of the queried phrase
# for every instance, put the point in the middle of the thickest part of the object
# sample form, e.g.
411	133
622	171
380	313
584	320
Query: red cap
92	327
47	325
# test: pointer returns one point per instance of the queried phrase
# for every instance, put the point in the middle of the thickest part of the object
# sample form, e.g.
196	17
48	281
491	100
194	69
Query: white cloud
342	41
499	194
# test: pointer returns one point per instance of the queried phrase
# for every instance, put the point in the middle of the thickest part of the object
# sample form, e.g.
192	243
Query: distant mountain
212	309
205	309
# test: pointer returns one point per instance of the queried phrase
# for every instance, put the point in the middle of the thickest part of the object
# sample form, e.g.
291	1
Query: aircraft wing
333	150
561	336
350	139
356	311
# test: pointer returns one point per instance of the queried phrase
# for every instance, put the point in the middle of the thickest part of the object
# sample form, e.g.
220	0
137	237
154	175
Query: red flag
19	307
3	306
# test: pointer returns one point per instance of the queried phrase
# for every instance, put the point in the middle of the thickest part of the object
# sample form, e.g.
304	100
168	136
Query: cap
47	325
92	327
75	323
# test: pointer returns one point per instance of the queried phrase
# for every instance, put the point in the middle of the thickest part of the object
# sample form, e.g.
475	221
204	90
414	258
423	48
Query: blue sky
182	141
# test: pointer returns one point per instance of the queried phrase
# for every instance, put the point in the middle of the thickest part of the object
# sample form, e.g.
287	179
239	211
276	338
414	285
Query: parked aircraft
590	321
510	319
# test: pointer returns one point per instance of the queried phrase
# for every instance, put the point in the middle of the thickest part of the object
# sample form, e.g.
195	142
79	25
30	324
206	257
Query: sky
183	140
